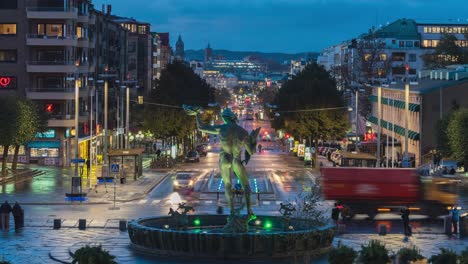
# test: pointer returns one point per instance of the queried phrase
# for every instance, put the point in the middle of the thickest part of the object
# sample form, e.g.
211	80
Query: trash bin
82	224
123	180
57	223
123	225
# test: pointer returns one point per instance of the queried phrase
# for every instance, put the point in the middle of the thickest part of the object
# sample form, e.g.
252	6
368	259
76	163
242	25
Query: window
53	30
44	152
383	57
7	29
409	44
398	56
79	32
8	56
393	41
9	4
412	57
401	44
367	57
141	30
416	43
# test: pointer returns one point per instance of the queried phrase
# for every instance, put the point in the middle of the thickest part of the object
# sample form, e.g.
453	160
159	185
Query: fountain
233	236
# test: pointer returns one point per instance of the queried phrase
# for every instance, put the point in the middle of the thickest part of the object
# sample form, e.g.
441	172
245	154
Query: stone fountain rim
136	223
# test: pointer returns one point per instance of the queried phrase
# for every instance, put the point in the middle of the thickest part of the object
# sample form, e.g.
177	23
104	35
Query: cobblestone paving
34	244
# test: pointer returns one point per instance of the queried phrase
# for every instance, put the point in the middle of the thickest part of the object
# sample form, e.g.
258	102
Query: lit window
7	55
383	57
7	29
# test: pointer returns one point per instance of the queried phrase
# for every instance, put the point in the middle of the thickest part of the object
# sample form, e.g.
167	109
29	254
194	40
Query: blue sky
278	25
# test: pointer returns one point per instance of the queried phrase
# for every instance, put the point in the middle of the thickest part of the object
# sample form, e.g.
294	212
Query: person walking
405	212
5	210
335	214
455	218
259	148
18	215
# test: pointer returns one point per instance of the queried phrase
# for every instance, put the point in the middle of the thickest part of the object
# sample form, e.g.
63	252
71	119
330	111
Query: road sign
115	168
77	161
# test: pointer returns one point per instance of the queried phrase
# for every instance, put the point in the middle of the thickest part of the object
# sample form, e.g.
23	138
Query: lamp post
405	158
379	113
77	113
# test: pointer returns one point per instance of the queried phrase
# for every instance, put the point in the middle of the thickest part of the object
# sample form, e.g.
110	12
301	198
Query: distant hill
239	55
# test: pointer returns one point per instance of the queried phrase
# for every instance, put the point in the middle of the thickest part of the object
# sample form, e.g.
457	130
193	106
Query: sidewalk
133	190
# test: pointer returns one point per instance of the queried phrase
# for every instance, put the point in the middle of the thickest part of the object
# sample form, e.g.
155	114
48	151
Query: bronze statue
232	138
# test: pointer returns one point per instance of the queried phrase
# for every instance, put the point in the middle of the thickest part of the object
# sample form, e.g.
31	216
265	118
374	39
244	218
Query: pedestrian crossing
168	202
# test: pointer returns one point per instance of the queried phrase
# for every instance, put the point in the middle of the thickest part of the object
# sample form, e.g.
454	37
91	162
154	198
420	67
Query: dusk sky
278	25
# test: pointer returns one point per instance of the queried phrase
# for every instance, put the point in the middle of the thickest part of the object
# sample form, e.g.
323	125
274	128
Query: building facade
161	53
430	98
180	49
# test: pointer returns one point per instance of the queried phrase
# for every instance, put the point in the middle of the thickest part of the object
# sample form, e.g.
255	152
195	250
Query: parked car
192	156
183	181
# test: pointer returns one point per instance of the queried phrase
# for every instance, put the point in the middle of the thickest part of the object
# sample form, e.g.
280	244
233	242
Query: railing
51	9
54	62
50	37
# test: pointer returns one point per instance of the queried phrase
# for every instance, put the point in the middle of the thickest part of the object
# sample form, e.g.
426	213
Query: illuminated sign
7	82
47	134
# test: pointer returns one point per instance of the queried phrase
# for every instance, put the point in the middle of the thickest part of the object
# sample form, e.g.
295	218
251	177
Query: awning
396	103
44	144
398	129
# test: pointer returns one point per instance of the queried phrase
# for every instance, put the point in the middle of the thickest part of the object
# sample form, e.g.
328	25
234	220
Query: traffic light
287	136
49	108
265	133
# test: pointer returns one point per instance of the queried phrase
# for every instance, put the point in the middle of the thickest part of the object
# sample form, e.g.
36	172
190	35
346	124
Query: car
183	180
193	156
202	150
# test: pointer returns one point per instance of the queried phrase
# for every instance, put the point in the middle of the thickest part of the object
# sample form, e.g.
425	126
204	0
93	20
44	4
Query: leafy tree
374	252
313	88
29	122
163	115
446	53
222	96
446	256
8	117
342	255
268	94
457	133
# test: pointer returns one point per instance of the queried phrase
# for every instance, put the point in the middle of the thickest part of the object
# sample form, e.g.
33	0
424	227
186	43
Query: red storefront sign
7	82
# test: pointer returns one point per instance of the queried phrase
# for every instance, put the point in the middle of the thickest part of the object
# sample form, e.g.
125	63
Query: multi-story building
197	67
161	53
208	53
296	67
139	52
397	51
46	47
434	94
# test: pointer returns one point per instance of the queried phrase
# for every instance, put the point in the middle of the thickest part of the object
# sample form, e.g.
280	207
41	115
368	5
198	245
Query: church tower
208	53
180	53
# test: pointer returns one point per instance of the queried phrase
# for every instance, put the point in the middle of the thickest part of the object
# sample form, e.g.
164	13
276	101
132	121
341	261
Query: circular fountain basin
268	237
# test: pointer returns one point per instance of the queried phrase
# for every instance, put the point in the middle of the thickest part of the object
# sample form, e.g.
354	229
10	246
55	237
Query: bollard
57	223
448	225
82	224
382	230
220	210
123	225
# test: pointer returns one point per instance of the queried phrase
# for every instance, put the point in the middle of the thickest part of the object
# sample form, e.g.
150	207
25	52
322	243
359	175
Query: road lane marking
142	201
278	202
266	202
155	201
208	202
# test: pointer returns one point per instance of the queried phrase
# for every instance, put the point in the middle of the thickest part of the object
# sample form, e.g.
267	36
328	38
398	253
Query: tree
29	122
457	133
222	97
8	119
446	53
268	94
163	115
93	255
312	88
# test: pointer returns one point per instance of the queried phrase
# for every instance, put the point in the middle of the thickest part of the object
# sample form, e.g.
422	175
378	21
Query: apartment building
161	53
45	48
404	42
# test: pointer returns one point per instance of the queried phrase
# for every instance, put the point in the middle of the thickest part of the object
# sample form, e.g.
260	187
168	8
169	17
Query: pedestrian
88	167
259	148
18	215
158	153
405	212
455	218
5	210
445	171
335	214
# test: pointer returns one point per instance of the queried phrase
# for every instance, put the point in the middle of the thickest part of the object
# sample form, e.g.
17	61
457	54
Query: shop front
44	152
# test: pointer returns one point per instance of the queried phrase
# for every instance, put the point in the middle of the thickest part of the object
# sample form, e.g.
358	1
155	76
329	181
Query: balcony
50	93
83	42
83	18
66	120
51	66
43	40
51	13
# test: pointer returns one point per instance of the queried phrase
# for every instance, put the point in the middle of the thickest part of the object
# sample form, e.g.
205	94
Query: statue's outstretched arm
206	128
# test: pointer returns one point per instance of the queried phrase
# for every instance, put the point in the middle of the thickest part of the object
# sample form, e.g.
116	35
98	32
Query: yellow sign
296	144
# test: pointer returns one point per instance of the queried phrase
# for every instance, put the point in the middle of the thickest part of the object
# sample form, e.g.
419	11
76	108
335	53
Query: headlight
176	182
209	147
191	182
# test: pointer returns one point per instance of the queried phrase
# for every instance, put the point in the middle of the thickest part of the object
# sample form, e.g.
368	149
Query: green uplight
268	225
196	222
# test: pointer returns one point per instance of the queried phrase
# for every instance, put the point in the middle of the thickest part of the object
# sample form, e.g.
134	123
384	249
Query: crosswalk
168	202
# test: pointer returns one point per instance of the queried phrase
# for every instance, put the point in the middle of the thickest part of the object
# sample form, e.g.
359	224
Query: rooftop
400	29
423	86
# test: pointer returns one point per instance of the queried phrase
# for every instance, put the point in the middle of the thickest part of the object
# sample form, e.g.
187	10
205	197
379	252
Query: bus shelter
130	162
